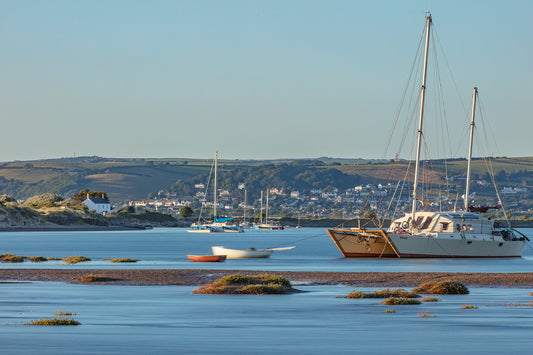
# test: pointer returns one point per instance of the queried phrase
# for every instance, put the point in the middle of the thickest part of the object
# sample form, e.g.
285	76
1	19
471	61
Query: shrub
44	200
386	293
394	301
61	313
6	198
448	287
265	279
10	258
93	278
75	259
262	290
54	321
255	285
426	315
430	299
468	306
37	259
123	260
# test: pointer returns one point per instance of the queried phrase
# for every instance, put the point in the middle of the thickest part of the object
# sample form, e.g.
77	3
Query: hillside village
321	188
355	202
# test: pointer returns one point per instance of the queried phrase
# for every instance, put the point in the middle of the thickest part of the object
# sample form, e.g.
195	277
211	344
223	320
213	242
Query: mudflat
186	277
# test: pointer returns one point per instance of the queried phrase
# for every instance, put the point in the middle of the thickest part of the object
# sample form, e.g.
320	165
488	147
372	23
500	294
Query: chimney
88	197
103	196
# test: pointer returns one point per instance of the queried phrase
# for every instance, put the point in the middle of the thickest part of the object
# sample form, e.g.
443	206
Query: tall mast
422	99
244	207
468	170
215	186
266	216
261	214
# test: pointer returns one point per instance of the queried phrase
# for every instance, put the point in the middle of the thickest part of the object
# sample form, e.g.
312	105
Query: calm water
166	248
170	319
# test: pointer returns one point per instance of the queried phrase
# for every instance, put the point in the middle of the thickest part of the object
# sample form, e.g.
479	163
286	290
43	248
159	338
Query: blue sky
252	79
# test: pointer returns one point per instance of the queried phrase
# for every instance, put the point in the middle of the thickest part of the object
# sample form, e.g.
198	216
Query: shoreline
188	277
85	228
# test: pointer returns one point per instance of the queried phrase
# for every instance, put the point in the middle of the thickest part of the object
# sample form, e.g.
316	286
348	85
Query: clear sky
252	79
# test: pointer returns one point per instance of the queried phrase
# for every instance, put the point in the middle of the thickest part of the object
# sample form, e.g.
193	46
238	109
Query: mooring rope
299	240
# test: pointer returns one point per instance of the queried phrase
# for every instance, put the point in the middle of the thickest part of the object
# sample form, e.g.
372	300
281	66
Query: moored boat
219	225
245	253
427	234
207	258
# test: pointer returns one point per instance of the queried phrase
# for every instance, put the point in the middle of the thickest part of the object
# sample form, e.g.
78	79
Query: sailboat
266	224
424	234
218	224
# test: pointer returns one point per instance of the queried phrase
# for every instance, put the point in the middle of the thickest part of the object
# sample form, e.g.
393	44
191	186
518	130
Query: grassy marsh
75	259
448	287
54	322
10	258
386	293
248	285
396	301
94	278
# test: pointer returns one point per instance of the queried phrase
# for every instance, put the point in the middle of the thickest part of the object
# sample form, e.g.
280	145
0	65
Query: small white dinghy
248	253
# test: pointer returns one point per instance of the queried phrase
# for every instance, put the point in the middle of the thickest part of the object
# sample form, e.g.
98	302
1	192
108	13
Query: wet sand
186	277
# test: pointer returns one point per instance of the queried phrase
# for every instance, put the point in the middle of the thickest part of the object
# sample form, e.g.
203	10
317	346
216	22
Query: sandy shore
200	277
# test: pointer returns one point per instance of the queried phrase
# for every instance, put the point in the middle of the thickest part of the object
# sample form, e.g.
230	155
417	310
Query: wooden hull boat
427	234
207	258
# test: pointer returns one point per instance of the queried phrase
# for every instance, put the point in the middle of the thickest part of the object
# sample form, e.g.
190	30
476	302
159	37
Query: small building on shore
97	204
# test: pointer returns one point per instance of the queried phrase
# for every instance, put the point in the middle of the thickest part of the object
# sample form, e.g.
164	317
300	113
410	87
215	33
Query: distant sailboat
266	225
219	225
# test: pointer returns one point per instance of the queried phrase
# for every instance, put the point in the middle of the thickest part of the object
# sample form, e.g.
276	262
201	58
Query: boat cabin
444	222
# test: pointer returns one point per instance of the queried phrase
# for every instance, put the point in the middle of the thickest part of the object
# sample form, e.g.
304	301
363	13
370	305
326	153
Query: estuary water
167	248
173	320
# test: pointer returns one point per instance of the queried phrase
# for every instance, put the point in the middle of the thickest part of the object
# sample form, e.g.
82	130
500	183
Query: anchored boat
245	253
425	234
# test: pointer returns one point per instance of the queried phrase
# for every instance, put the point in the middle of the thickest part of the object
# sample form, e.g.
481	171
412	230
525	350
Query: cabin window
444	226
426	223
464	227
470	228
419	221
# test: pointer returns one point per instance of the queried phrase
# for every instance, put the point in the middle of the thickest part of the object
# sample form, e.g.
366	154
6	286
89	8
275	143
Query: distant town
330	202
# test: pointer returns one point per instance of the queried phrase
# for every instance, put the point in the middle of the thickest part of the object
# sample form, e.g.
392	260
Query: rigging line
299	240
465	110
410	80
206	191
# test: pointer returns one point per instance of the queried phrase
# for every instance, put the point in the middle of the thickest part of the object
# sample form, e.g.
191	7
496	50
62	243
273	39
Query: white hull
199	231
240	254
268	226
358	243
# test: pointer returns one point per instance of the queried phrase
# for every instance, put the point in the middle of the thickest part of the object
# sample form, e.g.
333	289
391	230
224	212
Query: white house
98	204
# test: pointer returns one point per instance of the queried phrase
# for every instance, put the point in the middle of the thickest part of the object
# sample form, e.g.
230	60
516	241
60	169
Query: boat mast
266	216
468	170
215	186
422	99
244	207
261	214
